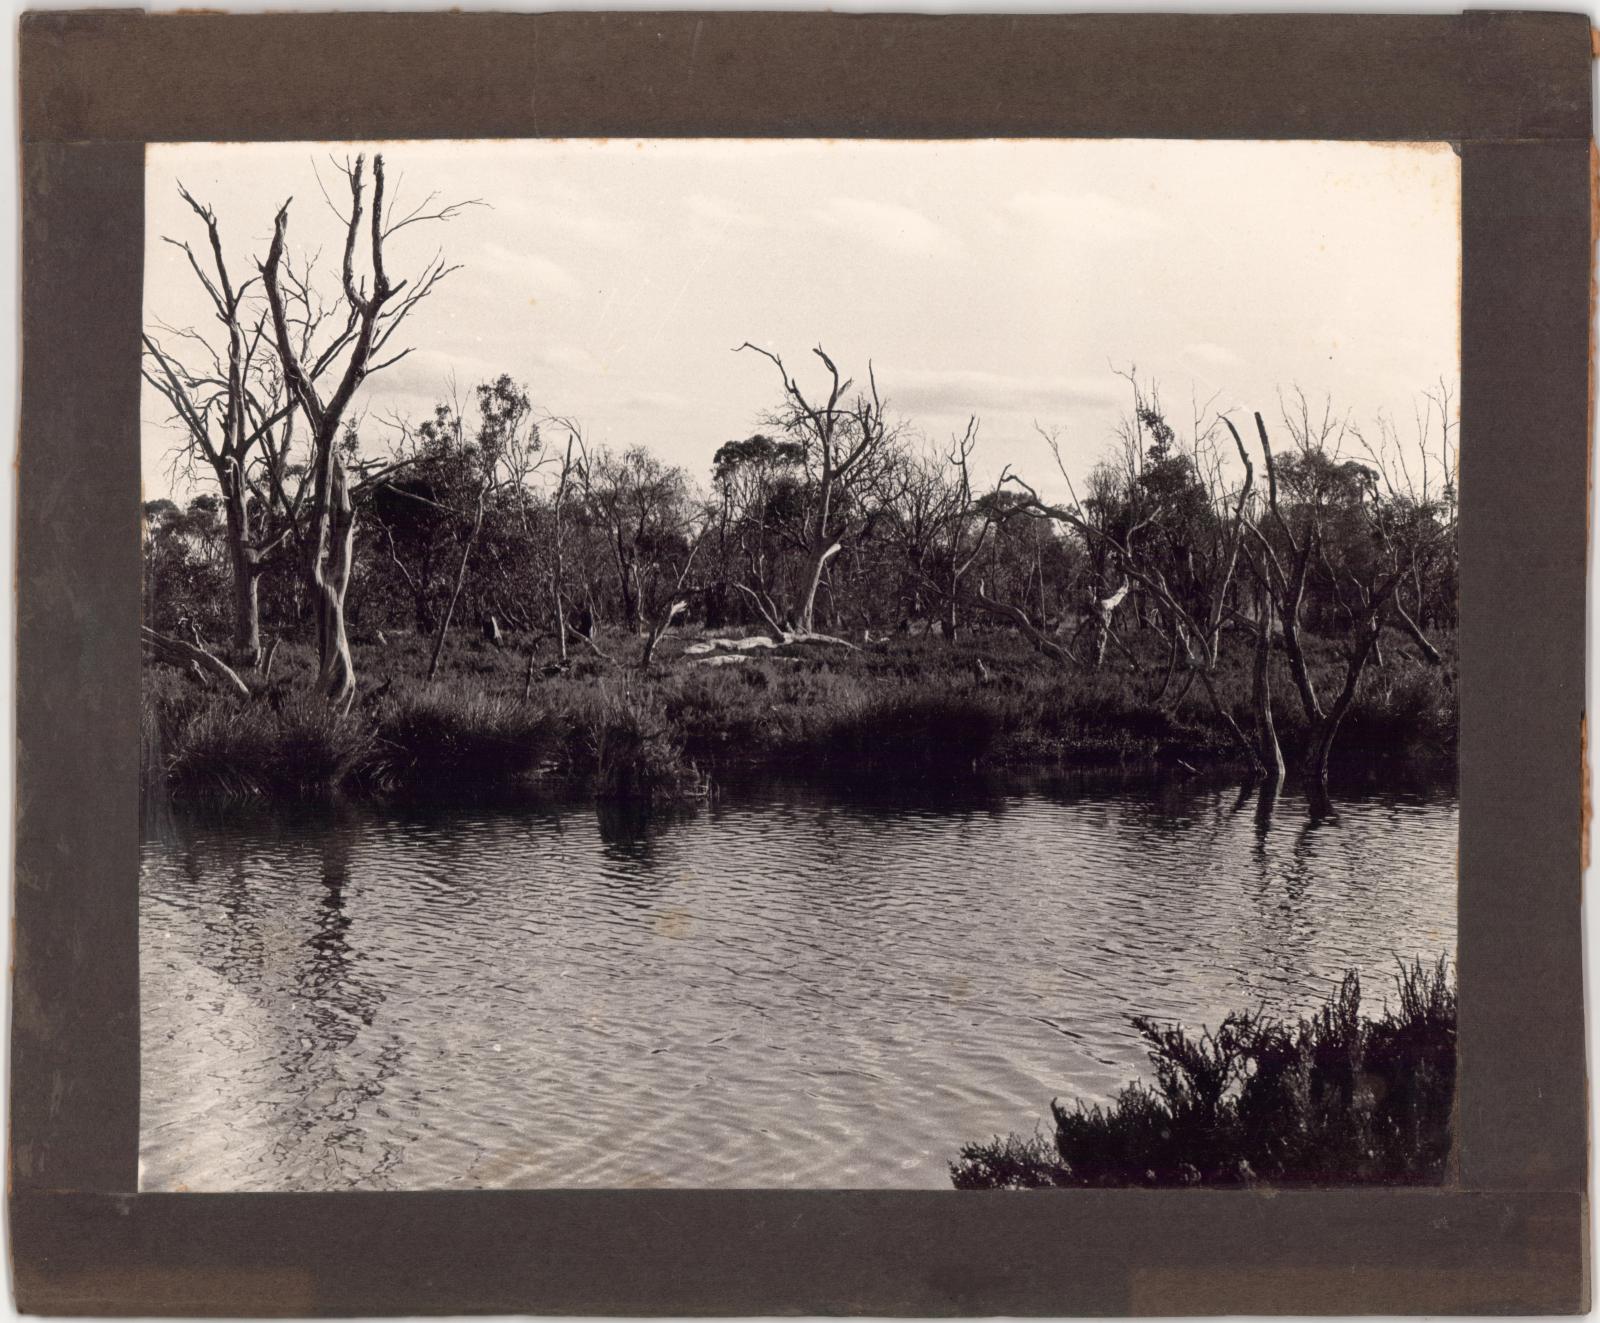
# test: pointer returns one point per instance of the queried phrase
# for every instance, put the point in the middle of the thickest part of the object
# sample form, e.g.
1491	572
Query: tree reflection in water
332	1088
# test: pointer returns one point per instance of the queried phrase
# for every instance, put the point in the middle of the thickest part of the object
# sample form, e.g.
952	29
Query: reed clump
221	746
622	744
449	738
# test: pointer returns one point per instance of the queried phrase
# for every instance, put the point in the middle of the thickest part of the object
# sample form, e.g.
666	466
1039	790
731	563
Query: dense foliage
629	519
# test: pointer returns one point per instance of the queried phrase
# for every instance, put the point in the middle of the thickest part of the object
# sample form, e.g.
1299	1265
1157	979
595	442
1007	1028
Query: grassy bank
912	706
1339	1098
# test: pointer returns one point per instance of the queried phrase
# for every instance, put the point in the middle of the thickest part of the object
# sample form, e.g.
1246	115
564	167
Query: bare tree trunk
1430	653
658	627
455	592
1104	609
331	560
948	625
558	600
1320	749
1038	569
1018	617
806	622
1159	698
636	620
246	649
1268	753
246	612
558	590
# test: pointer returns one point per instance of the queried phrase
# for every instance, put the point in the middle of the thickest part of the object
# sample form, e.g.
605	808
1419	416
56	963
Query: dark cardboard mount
1508	1234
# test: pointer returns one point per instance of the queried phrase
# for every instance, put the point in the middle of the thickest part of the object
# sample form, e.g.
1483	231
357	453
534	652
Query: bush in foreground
1335	1099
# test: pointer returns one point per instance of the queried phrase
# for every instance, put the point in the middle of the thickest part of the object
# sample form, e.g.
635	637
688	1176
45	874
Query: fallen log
793	639
705	646
175	652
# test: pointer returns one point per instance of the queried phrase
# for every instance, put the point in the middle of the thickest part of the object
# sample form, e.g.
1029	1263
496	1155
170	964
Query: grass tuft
622	742
448	738
236	749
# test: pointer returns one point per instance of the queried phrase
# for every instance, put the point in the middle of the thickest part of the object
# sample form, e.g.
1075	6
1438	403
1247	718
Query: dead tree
558	585
373	316
841	441
1015	615
231	408
1102	614
1295	550
958	548
480	497
662	598
1198	617
1426	480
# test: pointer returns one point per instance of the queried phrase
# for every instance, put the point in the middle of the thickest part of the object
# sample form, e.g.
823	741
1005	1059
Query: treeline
835	522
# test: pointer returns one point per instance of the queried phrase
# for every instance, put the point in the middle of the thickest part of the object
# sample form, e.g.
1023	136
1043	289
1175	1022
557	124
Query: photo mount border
1508	1234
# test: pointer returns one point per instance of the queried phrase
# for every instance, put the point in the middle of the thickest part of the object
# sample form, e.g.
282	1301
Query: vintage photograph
798	663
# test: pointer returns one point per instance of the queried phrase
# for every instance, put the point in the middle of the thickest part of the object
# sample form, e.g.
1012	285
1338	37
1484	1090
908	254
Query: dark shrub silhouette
1336	1099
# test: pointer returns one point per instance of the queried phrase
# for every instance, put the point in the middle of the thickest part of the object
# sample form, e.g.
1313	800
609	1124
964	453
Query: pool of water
784	987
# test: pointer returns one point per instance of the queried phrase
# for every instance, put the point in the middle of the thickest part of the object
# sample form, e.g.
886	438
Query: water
784	988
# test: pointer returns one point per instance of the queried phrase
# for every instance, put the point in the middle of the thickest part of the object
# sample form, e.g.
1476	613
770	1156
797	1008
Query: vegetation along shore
911	707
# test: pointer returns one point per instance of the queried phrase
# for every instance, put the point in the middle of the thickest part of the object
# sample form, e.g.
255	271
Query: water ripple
783	989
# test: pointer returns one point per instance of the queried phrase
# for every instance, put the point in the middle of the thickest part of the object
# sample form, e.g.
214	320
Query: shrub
1404	706
920	733
984	703
219	745
450	738
1333	1099
622	742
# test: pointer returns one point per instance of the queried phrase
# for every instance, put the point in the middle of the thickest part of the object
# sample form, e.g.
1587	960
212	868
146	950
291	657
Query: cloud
528	273
650	401
421	379
1212	355
889	225
925	390
721	212
1087	217
569	358
569	212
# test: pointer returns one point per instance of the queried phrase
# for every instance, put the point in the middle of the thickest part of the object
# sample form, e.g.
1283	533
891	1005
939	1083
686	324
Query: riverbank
912	707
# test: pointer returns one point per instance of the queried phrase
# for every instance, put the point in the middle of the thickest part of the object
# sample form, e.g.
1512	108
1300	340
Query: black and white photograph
798	663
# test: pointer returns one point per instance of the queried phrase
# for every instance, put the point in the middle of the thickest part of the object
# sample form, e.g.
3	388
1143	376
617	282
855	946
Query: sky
1010	279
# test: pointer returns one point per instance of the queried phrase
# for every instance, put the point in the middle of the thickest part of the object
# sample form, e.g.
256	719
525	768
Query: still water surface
784	988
